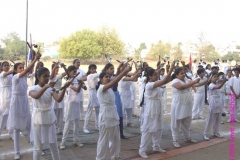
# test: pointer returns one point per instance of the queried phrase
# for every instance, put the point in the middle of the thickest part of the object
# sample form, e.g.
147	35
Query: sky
135	21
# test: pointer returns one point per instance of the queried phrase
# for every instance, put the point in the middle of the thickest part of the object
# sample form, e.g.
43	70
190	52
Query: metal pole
26	33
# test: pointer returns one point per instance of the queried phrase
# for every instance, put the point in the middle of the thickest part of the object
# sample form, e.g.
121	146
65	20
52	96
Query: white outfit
153	118
92	80
81	94
235	83
181	111
19	114
215	110
164	93
109	134
133	97
5	94
228	91
142	84
126	98
43	124
32	78
71	114
58	107
199	100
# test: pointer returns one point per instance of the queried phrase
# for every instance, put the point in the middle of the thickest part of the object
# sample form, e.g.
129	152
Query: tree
177	52
140	48
14	46
161	49
211	53
110	43
201	45
231	56
83	44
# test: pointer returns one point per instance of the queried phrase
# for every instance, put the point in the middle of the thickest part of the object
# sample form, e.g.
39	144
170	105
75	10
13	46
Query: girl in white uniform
72	109
153	113
92	80
82	75
19	114
133	97
163	91
227	92
126	96
109	134
58	107
43	116
5	94
181	108
215	107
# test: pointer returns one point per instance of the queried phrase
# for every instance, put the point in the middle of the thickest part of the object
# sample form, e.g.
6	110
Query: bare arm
38	94
7	73
133	78
220	85
77	89
200	84
29	68
180	86
60	97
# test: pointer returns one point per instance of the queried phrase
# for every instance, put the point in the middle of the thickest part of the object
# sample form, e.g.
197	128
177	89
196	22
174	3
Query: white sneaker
205	137
229	120
236	120
143	154
159	150
86	131
77	143
190	140
17	156
176	144
63	145
218	135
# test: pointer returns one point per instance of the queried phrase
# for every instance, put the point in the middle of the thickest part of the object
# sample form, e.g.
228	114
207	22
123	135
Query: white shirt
235	83
201	89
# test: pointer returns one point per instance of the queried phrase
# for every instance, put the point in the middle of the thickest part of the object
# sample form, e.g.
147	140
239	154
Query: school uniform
92	80
153	118
44	124
133	97
215	110
109	137
199	99
181	111
58	107
141	92
5	94
81	94
19	114
227	97
163	89
126	98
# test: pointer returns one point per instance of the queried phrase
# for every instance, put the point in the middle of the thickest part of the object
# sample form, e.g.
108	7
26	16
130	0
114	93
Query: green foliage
231	56
177	52
211	53
13	46
88	44
161	49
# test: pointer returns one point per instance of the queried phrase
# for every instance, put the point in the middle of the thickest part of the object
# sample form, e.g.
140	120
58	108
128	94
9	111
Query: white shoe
218	135
159	150
190	140
205	137
86	131
63	145
17	156
143	154
176	144
229	120
130	125
236	120
77	143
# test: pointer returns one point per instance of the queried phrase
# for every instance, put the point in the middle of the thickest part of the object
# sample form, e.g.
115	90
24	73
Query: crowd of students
50	116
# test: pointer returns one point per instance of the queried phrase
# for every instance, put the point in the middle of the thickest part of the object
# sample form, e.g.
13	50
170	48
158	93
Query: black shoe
223	114
124	137
206	103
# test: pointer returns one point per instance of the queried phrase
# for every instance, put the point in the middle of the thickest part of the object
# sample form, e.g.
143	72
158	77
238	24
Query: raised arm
180	86
221	84
38	94
133	78
200	84
7	73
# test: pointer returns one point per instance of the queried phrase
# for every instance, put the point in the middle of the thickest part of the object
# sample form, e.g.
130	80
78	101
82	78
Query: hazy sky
136	21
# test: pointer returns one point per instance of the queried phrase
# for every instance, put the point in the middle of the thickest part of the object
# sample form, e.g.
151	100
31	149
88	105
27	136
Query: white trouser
3	122
26	134
128	115
183	125
234	110
198	104
88	116
164	98
37	151
213	119
81	111
147	137
141	116
108	138
67	128
59	115
133	106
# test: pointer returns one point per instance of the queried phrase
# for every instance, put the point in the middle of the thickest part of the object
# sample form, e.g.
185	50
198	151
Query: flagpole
26	33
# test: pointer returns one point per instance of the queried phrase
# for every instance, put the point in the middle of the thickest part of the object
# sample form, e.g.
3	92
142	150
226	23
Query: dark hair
75	60
100	77
15	67
107	66
237	69
200	70
187	65
89	67
220	73
162	69
150	72
53	65
41	71
143	64
70	68
178	70
4	62
208	66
